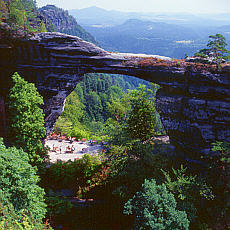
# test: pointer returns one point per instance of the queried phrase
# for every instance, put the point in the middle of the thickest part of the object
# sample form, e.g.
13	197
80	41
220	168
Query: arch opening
98	99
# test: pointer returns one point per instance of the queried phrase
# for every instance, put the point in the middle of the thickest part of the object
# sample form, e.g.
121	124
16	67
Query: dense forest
97	101
136	181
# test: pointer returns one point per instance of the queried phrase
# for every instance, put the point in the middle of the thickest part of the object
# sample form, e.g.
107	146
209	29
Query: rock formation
193	101
57	19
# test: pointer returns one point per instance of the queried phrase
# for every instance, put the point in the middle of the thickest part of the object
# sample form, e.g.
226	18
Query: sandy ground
77	153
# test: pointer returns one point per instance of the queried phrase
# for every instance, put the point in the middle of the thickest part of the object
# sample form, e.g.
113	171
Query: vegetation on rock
216	51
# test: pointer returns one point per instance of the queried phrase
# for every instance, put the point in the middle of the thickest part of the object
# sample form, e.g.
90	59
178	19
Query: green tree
18	183
26	118
154	207
216	49
16	13
3	10
43	27
94	106
22	14
142	118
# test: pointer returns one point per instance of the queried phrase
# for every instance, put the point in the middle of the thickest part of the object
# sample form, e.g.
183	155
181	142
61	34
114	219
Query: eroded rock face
194	102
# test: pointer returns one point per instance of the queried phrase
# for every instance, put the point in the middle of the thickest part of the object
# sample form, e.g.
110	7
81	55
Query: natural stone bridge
193	101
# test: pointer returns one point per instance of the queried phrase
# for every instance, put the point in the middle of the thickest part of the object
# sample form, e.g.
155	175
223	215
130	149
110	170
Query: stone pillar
2	118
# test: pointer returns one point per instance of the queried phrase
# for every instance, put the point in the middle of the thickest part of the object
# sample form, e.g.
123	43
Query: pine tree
216	50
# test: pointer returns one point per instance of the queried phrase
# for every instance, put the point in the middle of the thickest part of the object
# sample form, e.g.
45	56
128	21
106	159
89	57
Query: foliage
26	119
42	27
21	14
75	175
57	205
63	126
18	183
142	118
3	10
154	207
96	106
216	49
126	166
59	20
218	176
188	190
119	108
10	221
80	133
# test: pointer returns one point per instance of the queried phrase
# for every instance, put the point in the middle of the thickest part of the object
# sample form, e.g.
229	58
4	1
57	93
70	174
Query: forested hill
20	18
57	19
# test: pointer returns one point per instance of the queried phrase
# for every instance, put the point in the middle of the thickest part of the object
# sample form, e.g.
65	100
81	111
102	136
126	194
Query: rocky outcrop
193	101
57	19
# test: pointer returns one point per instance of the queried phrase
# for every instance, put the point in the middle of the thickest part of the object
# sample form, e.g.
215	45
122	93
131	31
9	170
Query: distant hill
98	16
148	37
140	36
57	19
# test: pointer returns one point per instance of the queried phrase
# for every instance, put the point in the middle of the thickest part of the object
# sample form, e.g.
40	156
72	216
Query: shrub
10	221
189	191
18	183
74	175
154	207
79	133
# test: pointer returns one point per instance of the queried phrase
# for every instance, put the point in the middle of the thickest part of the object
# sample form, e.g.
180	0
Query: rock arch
193	102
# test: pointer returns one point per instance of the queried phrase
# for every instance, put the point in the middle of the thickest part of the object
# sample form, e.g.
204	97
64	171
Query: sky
189	6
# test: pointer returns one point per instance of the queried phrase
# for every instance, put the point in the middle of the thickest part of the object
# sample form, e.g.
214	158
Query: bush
190	191
10	221
154	207
18	183
74	175
80	133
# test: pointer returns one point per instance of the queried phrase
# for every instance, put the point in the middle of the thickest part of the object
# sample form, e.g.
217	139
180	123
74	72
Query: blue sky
191	6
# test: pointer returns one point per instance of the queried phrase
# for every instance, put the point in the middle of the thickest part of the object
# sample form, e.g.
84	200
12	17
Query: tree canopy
154	207
26	118
18	183
142	118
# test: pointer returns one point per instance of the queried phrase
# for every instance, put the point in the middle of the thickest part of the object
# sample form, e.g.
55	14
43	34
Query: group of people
69	149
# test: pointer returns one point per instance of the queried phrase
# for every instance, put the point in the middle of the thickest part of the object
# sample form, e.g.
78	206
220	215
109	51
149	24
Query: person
72	148
60	149
91	142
